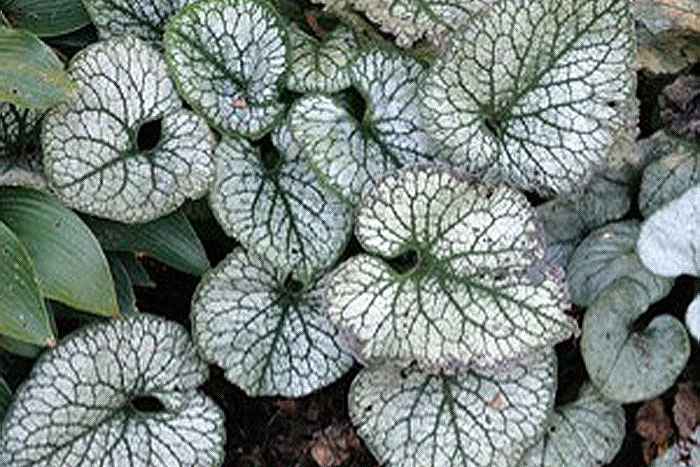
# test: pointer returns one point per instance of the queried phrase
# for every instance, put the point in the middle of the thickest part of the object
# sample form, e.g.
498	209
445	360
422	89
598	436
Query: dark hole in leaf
147	404
404	262
149	135
355	103
493	126
293	286
612	104
269	156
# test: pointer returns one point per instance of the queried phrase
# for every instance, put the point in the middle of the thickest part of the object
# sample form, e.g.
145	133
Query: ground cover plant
349	232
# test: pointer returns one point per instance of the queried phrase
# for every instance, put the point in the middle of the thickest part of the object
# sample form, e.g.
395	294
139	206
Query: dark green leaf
46	17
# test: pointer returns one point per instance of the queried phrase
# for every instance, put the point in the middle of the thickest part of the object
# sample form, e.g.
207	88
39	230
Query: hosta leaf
142	18
46	17
669	241
606	254
267	333
469	298
170	239
692	318
228	58
624	363
587	432
350	154
321	66
70	264
282	213
411	20
125	149
535	94
669	177
80	404
472	418
31	75
23	315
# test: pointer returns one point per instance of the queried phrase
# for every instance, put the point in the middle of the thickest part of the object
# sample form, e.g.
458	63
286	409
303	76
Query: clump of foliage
441	191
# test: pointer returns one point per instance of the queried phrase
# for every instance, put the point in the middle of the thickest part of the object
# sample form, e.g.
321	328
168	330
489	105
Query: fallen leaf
681	106
653	423
686	409
334	445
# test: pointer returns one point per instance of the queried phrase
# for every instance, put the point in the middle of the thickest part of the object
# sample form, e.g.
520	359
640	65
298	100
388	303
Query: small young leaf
350	154
669	177
80	404
470	419
46	17
468	299
669	241
23	315
625	364
31	75
586	433
125	149
282	213
270	338
141	18
535	94
228	58
321	66
69	262
170	239
606	254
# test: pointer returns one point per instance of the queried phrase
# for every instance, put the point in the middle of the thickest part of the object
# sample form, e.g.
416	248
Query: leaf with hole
119	393
69	262
266	330
587	432
273	203
31	76
606	254
447	277
468	419
535	94
125	149
170	239
625	362
669	241
46	17
321	66
229	58
23	315
350	153
141	18
669	177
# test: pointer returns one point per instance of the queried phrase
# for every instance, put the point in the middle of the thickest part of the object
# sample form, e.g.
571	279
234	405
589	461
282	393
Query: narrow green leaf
23	315
122	284
31	75
46	17
170	239
137	273
70	264
5	397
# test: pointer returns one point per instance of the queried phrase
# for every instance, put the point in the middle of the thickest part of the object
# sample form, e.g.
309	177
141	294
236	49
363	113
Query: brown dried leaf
334	445
686	409
653	423
681	102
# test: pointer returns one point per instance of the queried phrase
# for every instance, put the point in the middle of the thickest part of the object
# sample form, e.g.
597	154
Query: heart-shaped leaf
463	294
669	177
669	241
624	363
228	58
411	20
472	418
606	254
350	154
120	393
31	75
125	149
321	66
587	432
266	330
46	17
141	18
23	315
535	94
276	206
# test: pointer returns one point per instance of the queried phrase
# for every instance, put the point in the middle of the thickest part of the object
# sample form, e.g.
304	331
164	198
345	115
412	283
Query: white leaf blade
91	154
268	339
411	419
